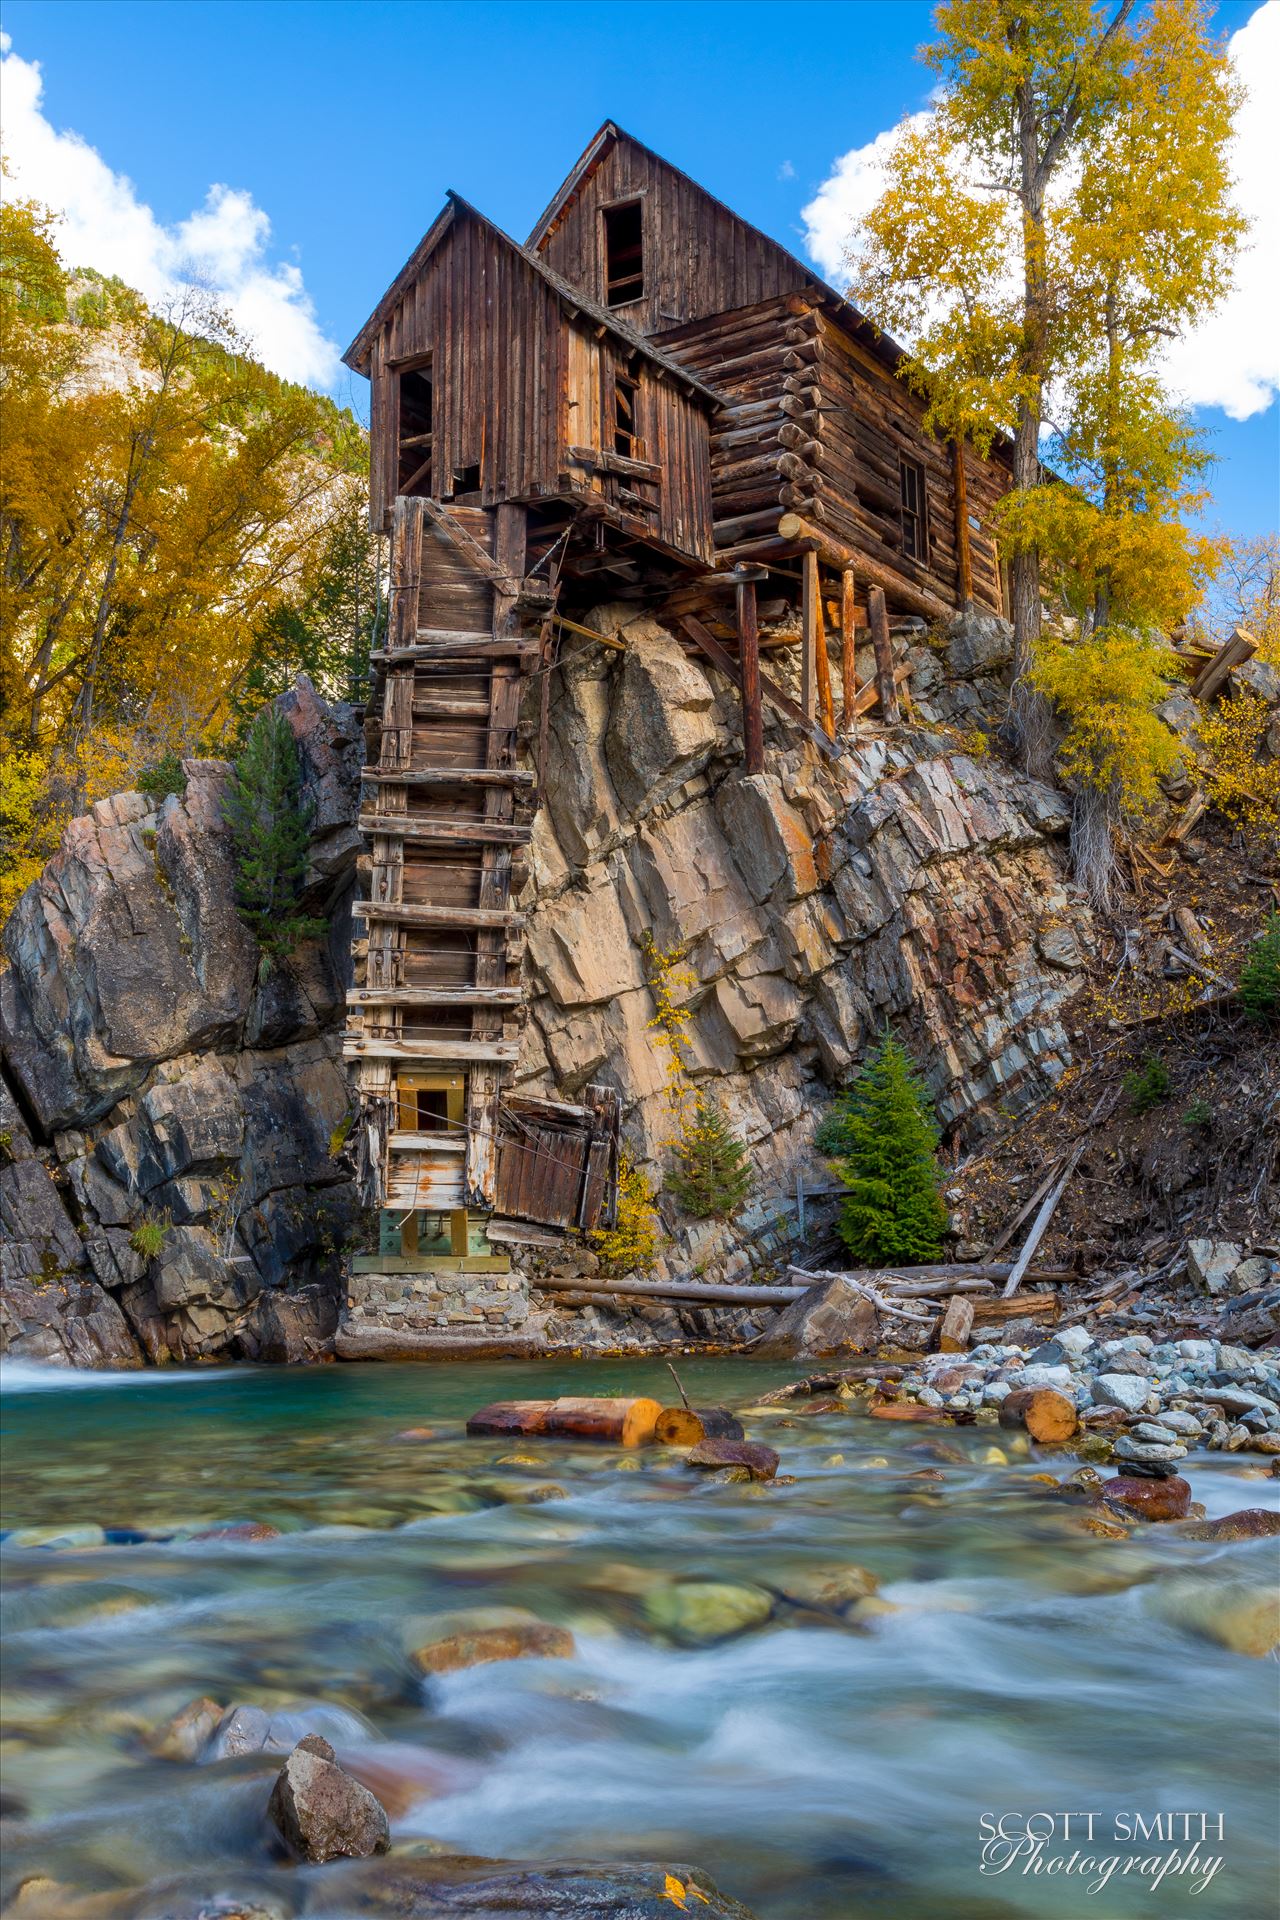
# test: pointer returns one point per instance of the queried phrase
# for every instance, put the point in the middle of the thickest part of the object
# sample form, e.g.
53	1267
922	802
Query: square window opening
465	480
624	253
433	1110
626	403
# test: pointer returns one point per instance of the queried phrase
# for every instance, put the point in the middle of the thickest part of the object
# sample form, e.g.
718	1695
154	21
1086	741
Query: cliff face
908	882
170	1187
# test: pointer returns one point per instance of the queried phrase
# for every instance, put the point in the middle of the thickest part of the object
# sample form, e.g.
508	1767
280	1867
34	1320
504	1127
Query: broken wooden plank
428	1051
1213	676
451	529
1041	1222
434	996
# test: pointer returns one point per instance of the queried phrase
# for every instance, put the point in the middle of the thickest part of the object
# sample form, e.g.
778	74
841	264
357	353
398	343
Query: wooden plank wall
516	381
699	257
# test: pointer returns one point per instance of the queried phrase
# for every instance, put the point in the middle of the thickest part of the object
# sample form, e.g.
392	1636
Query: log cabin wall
863	424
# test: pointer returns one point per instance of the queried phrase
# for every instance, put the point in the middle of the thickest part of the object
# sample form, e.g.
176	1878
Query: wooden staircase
433	1020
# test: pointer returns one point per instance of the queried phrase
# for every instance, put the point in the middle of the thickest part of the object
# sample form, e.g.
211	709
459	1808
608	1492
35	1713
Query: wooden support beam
848	638
1234	651
434	996
449	776
423	916
878	615
445	832
749	663
964	562
810	622
768	686
802	533
457	647
429	1052
589	633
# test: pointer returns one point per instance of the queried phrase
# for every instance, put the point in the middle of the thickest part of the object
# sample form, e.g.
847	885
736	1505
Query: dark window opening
413	474
433	1110
915	523
623	253
465	480
626	404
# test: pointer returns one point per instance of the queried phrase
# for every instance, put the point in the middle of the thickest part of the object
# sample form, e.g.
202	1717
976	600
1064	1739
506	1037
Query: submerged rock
1251	1523
1242	1618
757	1462
700	1612
1167	1499
428	1889
320	1812
485	1634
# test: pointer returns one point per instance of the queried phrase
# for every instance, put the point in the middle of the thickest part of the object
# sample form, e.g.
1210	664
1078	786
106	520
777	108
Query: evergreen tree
887	1137
712	1177
269	831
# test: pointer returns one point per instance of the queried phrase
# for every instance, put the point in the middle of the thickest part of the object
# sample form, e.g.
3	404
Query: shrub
269	831
1243	780
887	1138
164	778
712	1177
1198	1114
1148	1085
147	1238
632	1245
1260	977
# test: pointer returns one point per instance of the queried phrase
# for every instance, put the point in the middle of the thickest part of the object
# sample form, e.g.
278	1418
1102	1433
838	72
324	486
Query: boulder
476	1638
1242	1617
700	1612
1128	1391
756	1462
322	1813
1149	1499
830	1317
1211	1263
1251	1523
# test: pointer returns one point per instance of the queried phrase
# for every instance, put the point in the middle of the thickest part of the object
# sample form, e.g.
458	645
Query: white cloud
103	224
1232	360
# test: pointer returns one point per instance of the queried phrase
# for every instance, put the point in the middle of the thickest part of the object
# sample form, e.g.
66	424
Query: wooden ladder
433	1023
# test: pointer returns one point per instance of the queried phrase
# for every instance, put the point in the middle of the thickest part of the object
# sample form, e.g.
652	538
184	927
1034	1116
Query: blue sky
343	124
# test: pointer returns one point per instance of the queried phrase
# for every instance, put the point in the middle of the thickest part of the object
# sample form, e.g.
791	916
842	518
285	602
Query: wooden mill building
648	399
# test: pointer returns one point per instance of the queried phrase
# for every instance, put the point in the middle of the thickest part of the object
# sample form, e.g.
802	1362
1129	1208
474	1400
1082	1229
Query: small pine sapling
893	1212
712	1177
1260	977
1148	1085
269	831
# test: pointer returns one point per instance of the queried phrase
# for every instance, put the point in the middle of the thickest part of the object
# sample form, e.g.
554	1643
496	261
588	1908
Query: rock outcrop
169	1115
915	880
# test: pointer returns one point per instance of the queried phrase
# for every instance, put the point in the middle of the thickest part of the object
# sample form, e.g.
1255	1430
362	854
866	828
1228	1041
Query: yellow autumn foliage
1243	779
631	1246
1106	690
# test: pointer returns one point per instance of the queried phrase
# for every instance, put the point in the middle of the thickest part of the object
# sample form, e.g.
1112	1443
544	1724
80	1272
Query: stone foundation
438	1301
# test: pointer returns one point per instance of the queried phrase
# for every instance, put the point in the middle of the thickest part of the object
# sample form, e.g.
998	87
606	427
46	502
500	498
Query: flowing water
818	1767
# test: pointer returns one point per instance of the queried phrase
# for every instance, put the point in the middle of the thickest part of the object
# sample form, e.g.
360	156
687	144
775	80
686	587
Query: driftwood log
1048	1416
686	1426
623	1422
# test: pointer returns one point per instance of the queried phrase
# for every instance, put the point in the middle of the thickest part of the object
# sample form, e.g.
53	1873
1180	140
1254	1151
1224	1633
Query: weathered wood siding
699	258
516	381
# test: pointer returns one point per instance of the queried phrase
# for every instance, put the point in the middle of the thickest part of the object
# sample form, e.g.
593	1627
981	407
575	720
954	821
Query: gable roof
596	150
357	354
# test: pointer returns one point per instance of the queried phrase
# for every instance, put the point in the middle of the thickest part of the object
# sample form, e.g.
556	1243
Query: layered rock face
169	1188
911	881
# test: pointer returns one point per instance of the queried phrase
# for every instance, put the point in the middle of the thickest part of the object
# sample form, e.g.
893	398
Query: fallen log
703	1292
686	1426
1018	1271
1048	1416
968	1276
624	1422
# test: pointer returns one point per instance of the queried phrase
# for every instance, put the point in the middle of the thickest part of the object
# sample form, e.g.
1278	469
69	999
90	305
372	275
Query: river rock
699	1612
712	1456
320	1812
189	1732
1149	1499
431	1888
829	1317
1251	1523
826	1589
1241	1617
485	1634
1127	1390
1142	1453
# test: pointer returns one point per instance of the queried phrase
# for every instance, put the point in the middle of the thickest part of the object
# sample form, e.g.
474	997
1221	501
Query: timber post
878	615
811	621
848	660
745	579
964	560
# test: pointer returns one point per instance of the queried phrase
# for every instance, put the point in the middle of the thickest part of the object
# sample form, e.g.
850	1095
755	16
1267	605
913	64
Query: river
818	1767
